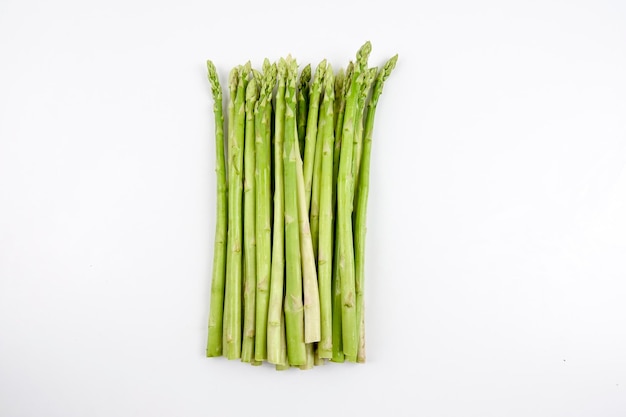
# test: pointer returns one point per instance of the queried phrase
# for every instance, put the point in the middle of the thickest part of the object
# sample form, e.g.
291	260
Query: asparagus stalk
294	314
303	104
269	133
249	228
317	168
339	125
233	81
311	130
338	355
361	203
345	195
263	208
232	302
368	79
316	184
277	280
312	331
214	340
325	248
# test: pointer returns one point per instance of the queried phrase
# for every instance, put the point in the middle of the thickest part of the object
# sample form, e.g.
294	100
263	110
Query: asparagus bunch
292	189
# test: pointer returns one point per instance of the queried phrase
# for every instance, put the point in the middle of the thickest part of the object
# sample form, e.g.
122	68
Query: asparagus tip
214	79
364	51
391	64
305	75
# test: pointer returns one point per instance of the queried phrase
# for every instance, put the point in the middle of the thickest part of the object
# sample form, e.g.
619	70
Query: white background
496	248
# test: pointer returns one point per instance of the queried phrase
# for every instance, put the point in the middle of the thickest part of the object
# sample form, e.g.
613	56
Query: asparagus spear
345	195
368	79
312	331
338	355
214	340
339	125
325	248
232	302
361	203
303	104
311	130
233	81
294	314
249	228
317	168
277	280
269	133
263	208
338	106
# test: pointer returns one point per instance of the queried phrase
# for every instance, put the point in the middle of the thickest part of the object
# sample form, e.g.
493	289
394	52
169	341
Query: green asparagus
263	208
288	272
294	309
361	203
214	342
249	228
277	279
